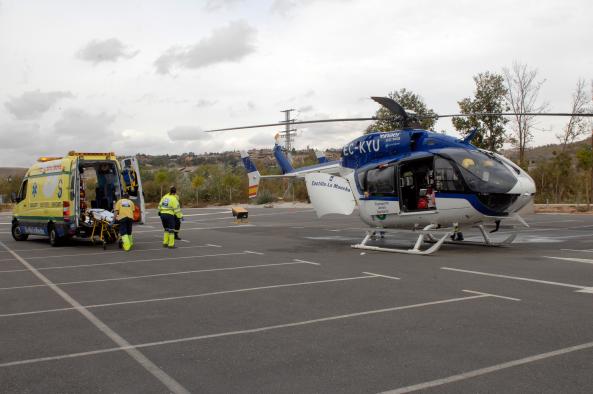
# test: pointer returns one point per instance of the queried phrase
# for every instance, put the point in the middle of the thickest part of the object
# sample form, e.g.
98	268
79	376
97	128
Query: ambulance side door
133	184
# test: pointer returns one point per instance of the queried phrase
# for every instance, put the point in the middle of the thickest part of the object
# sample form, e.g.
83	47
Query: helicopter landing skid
487	240
425	232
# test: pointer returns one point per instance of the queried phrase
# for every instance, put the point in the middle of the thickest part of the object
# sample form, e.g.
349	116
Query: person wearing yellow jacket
124	214
169	209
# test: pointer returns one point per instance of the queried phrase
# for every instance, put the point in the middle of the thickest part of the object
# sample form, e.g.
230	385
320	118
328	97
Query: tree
489	97
231	182
577	125
522	96
162	176
410	101
585	164
196	183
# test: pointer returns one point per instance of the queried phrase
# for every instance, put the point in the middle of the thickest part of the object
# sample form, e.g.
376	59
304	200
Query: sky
150	76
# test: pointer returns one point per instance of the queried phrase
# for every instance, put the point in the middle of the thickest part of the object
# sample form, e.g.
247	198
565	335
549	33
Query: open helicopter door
416	185
133	185
329	194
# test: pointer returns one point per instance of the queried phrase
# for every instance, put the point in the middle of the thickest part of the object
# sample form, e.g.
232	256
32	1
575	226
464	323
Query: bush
264	197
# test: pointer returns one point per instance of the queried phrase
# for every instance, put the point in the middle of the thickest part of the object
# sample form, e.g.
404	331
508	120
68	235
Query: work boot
171	244
177	237
166	239
126	242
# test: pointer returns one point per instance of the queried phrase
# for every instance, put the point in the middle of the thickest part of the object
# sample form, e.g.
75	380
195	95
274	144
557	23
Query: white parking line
383	276
252	216
307	262
491	295
155	275
487	370
241	332
578	250
131	252
583	289
152	368
200	256
197	214
573	259
199	228
191	295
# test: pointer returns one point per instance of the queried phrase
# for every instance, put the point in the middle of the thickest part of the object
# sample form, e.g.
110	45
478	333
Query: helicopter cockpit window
482	172
447	178
381	181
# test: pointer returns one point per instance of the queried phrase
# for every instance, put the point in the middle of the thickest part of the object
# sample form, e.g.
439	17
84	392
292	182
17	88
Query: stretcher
104	228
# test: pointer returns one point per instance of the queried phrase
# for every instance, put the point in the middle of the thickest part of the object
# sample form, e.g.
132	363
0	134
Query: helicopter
412	179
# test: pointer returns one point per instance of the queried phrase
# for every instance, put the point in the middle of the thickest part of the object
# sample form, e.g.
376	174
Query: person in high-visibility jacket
124	214
168	210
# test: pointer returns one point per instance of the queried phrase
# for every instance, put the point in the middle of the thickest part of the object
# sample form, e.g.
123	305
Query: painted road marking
487	370
133	251
572	259
191	295
199	228
306	262
584	289
198	214
252	216
201	256
156	275
382	276
491	295
152	368
241	332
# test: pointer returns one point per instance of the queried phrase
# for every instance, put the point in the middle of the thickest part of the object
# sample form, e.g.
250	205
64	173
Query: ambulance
57	194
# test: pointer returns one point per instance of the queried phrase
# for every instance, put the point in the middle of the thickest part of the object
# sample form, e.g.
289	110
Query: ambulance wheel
16	232
54	239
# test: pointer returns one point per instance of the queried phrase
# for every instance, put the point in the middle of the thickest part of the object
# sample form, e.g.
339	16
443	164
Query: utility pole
288	134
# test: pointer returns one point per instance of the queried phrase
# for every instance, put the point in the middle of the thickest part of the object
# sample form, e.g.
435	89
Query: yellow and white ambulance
57	193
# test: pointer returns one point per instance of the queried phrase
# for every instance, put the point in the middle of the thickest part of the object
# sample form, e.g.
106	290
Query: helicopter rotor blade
436	116
293	123
392	106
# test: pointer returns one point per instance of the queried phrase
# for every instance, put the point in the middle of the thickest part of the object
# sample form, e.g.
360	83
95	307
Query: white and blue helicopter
411	179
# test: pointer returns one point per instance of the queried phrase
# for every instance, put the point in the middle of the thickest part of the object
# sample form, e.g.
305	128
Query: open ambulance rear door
133	184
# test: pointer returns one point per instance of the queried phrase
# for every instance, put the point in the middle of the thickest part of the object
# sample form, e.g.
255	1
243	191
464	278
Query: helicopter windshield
483	172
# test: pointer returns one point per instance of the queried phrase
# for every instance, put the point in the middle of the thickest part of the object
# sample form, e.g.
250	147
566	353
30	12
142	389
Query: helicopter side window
447	177
380	182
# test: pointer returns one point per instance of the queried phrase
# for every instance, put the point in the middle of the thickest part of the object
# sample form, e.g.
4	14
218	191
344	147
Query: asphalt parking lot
283	304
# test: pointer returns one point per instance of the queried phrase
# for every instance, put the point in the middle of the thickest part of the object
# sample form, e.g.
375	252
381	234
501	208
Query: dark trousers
125	226
177	224
168	222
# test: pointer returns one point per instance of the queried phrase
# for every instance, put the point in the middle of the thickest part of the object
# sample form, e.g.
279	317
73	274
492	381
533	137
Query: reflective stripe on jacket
169	205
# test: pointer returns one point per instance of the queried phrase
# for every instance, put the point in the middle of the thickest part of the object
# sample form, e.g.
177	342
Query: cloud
33	104
263	138
87	128
226	44
187	133
18	135
306	108
202	103
215	5
110	50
